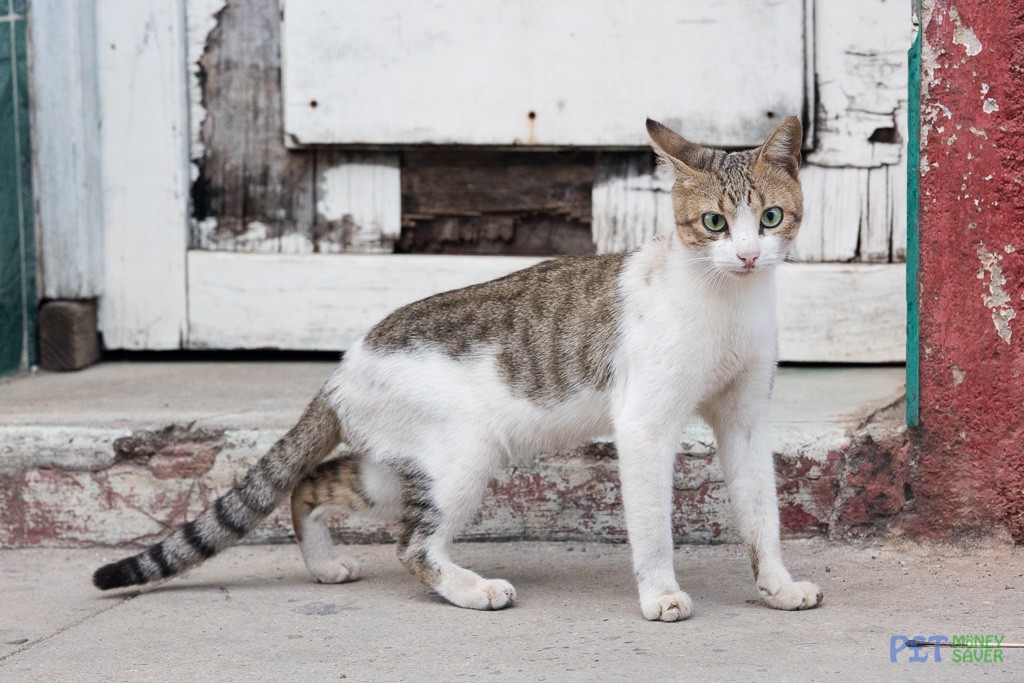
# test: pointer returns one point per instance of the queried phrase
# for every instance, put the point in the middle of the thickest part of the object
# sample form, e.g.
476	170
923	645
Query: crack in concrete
64	629
874	413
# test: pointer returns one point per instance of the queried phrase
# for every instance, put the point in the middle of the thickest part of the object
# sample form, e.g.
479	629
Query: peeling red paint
795	519
970	471
183	461
162	478
12	509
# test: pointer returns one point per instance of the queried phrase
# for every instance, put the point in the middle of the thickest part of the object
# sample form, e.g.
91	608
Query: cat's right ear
674	149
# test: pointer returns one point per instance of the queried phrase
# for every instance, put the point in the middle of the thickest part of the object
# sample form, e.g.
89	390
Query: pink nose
748	261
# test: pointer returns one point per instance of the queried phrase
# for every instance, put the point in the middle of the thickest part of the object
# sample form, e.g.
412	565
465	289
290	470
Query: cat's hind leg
345	483
738	417
434	508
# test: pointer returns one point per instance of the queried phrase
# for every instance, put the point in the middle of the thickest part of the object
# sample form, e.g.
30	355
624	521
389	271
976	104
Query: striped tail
237	512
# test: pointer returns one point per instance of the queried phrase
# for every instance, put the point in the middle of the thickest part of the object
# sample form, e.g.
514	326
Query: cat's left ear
782	148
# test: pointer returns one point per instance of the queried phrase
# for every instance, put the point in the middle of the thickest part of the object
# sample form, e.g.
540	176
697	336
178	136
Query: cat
443	391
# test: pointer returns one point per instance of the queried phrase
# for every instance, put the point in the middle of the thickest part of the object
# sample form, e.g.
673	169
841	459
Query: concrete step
124	451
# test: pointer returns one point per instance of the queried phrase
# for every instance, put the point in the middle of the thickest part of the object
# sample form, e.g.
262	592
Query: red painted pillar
970	446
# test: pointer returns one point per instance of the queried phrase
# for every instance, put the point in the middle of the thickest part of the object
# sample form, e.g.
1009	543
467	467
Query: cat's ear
684	156
782	148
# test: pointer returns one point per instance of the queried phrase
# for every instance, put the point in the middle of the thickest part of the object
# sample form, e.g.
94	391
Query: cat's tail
237	512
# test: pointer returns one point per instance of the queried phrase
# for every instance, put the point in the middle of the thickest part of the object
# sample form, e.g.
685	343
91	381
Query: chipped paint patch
931	108
997	300
358	204
201	20
958	375
964	35
990	106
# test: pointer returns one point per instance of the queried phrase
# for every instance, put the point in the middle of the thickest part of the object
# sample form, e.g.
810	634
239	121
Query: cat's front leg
739	419
646	464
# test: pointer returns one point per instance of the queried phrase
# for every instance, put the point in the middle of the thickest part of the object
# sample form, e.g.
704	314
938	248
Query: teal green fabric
17	257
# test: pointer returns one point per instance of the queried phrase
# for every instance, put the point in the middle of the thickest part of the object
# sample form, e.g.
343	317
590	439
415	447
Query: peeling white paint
257	238
996	299
964	35
630	204
990	106
359	199
200	20
1009	249
958	375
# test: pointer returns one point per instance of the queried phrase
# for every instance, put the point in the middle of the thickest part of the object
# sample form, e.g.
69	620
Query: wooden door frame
113	218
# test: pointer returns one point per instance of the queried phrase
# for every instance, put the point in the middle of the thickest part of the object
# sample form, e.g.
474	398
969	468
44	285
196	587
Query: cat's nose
748	259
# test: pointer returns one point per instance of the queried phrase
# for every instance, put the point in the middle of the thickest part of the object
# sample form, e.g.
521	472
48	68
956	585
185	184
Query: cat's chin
742	274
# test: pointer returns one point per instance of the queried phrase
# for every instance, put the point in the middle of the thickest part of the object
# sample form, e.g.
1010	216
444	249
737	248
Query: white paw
486	594
336	570
793	595
673	606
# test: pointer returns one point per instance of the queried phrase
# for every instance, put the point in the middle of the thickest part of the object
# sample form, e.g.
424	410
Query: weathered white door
365	79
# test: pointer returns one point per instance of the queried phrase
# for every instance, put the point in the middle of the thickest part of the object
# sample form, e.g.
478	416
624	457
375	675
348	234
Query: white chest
682	333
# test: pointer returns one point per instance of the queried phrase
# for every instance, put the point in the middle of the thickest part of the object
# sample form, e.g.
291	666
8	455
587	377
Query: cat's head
741	210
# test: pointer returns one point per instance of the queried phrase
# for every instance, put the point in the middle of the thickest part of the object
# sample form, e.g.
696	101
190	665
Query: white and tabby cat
444	391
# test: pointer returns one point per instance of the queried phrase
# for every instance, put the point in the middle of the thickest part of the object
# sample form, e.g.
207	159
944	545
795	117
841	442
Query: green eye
714	222
771	217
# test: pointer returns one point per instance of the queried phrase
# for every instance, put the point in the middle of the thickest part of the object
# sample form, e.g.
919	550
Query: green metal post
913	257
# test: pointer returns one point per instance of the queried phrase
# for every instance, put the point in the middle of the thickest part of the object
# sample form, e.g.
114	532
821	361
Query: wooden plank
632	200
358	202
861	66
66	159
897	185
842	313
200	21
834	200
876	218
249	192
849	213
316	302
810	88
486	201
144	160
251	301
539	72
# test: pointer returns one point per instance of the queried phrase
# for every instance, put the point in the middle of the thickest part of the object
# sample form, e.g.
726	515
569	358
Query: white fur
319	553
698	338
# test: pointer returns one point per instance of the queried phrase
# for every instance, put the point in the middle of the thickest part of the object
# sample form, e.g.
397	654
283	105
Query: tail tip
114	575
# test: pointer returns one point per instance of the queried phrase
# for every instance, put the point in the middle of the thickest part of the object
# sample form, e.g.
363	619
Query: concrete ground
254	614
267	395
